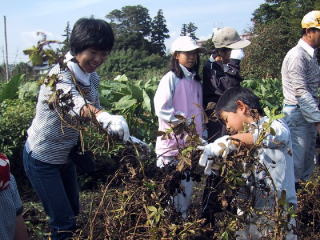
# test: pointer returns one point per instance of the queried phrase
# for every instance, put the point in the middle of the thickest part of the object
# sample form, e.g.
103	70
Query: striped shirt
49	139
301	76
10	208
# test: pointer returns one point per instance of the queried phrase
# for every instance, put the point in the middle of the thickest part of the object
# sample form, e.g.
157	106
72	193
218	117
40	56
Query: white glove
135	140
220	147
114	124
237	54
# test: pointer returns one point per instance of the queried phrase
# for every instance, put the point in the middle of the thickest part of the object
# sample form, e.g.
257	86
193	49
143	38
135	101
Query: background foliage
276	29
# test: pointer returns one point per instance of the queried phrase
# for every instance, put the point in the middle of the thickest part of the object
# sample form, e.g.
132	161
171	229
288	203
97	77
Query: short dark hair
228	101
304	30
91	33
175	67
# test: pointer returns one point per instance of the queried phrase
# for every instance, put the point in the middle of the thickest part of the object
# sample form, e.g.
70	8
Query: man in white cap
222	71
300	80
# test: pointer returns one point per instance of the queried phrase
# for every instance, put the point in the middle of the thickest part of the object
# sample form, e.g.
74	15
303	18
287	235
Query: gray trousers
303	135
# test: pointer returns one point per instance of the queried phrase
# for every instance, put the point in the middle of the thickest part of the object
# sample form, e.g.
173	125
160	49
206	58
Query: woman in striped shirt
50	140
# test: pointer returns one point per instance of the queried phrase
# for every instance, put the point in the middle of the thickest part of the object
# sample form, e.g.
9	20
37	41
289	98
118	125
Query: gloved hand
135	140
220	147
116	125
237	54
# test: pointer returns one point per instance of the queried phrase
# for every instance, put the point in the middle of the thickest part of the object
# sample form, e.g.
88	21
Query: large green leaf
10	90
136	92
146	101
125	103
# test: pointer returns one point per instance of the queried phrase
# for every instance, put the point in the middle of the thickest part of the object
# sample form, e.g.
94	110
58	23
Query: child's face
187	59
224	53
235	121
90	59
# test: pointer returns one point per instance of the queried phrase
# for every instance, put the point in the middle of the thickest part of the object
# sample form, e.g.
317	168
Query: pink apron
187	99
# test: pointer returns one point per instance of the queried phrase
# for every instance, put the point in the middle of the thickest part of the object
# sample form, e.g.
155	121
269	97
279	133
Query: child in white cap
179	93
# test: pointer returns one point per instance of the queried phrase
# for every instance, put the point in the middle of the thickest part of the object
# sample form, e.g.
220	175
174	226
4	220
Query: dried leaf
211	106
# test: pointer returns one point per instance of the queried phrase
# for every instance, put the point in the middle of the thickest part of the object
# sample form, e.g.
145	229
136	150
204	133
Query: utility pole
6	48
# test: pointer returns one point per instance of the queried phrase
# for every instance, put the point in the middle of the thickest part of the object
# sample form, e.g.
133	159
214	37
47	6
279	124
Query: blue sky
25	18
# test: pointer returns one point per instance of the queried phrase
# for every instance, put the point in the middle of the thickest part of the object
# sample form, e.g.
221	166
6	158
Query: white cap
184	44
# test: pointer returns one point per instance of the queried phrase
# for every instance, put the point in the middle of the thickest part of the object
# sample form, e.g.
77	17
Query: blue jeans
57	187
303	135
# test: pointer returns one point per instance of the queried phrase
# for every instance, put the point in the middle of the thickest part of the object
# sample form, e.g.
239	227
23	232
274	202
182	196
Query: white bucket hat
228	37
184	44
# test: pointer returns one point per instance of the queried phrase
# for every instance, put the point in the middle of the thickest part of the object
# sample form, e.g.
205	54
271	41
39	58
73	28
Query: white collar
81	76
187	73
310	50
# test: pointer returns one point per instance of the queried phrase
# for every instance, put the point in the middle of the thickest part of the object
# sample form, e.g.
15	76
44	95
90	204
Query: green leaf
146	101
9	90
125	103
152	208
36	59
137	92
225	236
272	131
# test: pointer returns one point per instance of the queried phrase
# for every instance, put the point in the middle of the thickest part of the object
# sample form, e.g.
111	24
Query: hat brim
240	44
310	26
188	49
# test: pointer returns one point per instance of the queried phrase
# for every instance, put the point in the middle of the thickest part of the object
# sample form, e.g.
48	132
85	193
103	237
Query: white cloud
31	38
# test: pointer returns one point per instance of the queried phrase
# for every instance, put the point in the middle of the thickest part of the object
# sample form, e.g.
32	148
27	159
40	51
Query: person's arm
115	124
207	87
82	106
297	72
163	98
246	138
21	232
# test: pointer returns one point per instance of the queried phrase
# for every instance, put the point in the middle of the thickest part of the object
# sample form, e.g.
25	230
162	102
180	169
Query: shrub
269	90
15	118
29	91
133	63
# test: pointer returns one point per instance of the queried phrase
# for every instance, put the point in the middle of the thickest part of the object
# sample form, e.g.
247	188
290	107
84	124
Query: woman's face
90	59
187	59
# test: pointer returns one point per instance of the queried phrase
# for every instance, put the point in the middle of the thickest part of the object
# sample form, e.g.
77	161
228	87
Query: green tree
66	44
189	30
277	28
132	25
159	33
184	30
